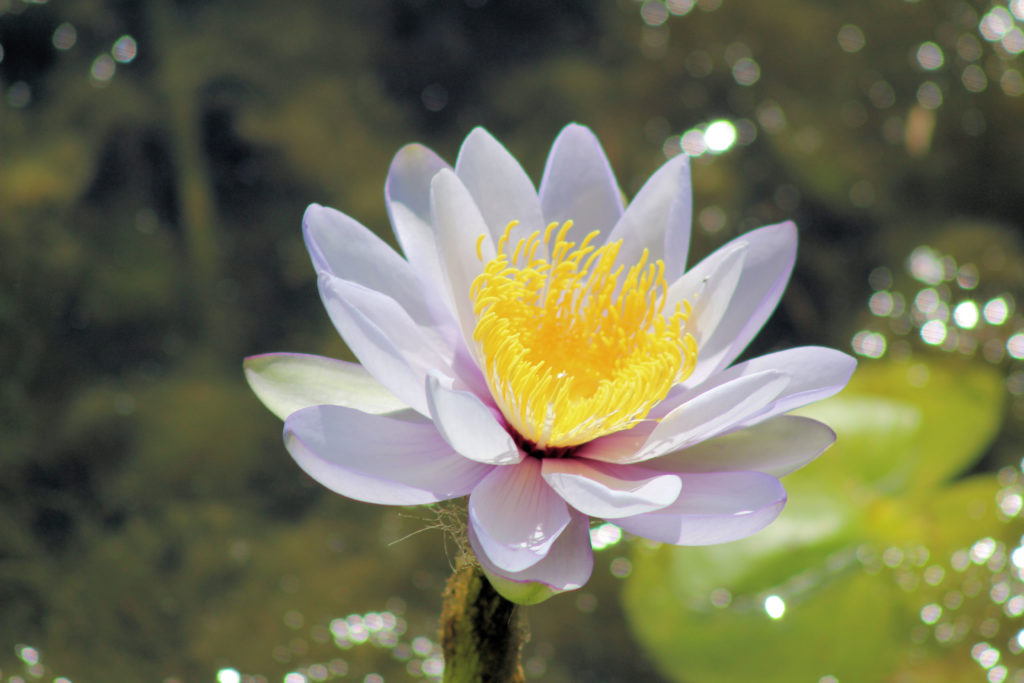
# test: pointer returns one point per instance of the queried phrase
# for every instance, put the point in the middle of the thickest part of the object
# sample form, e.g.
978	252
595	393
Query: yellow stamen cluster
570	352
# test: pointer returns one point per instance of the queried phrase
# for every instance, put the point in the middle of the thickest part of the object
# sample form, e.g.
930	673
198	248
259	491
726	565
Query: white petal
579	185
499	186
771	252
567	565
460	225
469	426
407	194
607	490
645	224
516	516
713	508
378	459
708	287
342	247
287	382
815	373
678	229
712	411
388	343
777	447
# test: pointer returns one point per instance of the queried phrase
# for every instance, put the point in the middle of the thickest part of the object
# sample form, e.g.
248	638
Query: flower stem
482	633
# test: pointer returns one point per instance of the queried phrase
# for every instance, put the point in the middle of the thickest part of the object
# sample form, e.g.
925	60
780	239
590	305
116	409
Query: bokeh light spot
654	12
933	332
125	49
930	56
720	136
929	95
103	69
746	71
65	36
605	535
774	606
850	38
228	676
1015	345
995	24
966	314
869	344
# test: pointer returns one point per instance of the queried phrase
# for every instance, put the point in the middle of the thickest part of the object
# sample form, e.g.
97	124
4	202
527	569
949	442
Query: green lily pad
872	536
910	424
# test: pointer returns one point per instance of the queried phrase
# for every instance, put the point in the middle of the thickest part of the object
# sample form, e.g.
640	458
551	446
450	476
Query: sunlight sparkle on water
65	36
125	49
869	344
931	613
720	136
929	56
713	138
985	655
850	38
103	69
746	71
1010	504
1012	83
774	606
604	536
996	311
925	265
881	303
929	95
933	332
966	314
974	78
995	24
228	676
1015	345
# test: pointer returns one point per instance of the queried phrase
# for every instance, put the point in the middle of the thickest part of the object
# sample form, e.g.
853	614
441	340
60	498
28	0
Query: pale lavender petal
286	382
771	253
389	344
713	411
579	185
645	223
460	226
678	229
608	490
339	245
378	459
618	446
469	426
516	516
713	508
567	565
777	447
815	373
499	186
708	288
407	194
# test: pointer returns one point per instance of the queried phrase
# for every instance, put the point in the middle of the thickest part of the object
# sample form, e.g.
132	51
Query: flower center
572	350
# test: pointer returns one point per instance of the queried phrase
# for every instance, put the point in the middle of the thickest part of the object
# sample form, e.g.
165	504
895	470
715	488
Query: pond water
155	160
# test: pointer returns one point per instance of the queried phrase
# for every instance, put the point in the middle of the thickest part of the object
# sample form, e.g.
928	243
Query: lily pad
872	536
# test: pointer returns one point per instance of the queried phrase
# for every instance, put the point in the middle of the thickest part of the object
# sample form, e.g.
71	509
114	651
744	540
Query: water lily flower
549	355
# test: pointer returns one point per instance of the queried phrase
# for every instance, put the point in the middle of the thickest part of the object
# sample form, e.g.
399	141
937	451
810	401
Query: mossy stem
482	633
